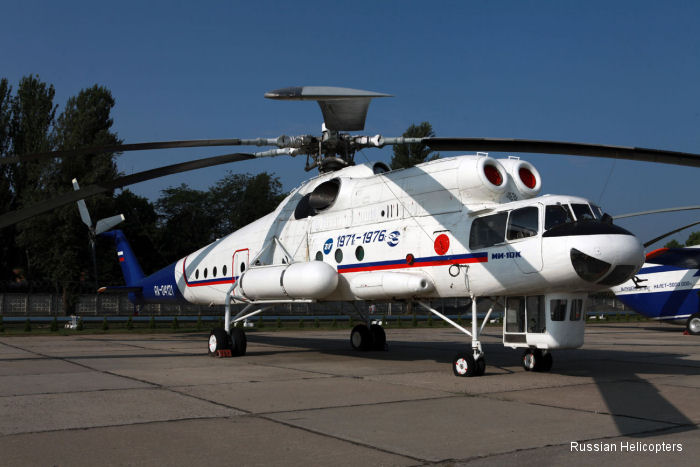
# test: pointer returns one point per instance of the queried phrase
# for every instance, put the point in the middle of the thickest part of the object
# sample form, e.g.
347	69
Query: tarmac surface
306	398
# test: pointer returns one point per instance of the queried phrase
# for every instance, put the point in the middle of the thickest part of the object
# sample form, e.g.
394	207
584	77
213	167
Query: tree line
51	252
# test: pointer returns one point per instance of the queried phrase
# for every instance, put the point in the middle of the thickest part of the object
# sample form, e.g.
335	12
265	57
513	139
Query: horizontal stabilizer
688	258
119	289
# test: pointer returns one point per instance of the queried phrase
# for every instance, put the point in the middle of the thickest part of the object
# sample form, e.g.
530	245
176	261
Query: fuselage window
242	267
360	253
223	270
535	313
319	256
523	223
556	214
338	256
557	309
583	212
515	315
576	310
488	231
213	273
196	274
205	273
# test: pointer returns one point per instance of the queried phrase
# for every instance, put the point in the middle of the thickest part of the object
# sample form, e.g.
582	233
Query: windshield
556	214
583	212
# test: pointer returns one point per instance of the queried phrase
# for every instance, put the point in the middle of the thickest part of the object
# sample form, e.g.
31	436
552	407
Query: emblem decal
393	238
328	246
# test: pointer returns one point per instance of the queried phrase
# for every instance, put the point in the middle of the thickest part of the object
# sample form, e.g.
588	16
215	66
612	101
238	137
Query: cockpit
523	222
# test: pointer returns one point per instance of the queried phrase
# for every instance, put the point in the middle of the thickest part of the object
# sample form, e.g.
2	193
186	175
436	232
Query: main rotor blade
559	147
82	207
661	237
71	197
656	211
196	143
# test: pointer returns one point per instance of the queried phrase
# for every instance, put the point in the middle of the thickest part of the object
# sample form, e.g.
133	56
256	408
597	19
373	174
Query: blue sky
624	73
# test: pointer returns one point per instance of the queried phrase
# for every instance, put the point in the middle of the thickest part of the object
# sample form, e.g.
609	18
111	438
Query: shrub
152	323
54	324
301	323
2	324
279	322
261	323
81	326
398	321
334	324
27	326
105	324
317	323
414	321
430	320
176	323
130	324
199	323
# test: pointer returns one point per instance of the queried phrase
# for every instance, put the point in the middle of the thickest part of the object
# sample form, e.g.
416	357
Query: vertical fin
131	269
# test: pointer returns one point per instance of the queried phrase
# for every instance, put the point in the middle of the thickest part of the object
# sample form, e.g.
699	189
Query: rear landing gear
363	337
537	360
218	340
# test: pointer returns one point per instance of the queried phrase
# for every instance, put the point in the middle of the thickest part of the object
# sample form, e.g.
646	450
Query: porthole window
360	253
205	273
338	256
319	256
213	273
223	270
196	274
242	267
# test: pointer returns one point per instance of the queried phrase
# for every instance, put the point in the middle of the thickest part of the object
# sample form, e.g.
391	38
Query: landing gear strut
470	363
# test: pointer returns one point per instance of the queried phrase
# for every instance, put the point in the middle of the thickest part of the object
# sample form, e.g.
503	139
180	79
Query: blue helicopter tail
131	269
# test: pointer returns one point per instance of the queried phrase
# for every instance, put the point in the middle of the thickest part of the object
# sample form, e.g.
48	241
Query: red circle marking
442	244
410	259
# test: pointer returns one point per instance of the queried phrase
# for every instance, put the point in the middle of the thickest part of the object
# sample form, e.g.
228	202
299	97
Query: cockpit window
597	212
488	231
523	223
583	212
556	214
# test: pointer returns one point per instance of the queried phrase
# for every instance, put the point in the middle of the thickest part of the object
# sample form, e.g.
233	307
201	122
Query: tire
218	340
530	360
546	362
378	337
238	342
480	366
361	338
693	326
463	365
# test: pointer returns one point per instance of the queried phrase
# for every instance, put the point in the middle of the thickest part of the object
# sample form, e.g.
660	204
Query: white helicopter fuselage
439	229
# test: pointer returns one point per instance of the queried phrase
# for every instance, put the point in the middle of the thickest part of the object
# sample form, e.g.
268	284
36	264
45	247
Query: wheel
361	337
480	366
218	340
238	342
463	365
546	361
693	325
378	337
531	359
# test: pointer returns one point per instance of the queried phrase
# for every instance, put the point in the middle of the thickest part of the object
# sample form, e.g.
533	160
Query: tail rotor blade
82	207
104	225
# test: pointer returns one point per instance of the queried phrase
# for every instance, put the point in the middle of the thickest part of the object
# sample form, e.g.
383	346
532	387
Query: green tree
85	121
408	155
8	249
673	244
693	239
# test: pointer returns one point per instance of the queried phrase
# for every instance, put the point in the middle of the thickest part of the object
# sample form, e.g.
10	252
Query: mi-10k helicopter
466	226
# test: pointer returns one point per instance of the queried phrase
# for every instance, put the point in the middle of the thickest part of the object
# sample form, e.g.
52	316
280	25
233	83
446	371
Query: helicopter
466	226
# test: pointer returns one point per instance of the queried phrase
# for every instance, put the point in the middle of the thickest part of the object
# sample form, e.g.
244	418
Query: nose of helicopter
602	253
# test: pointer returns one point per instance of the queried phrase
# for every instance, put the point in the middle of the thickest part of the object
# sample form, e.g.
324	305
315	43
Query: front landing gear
464	364
365	337
537	360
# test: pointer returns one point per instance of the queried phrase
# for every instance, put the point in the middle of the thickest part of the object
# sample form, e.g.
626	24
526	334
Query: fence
21	304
